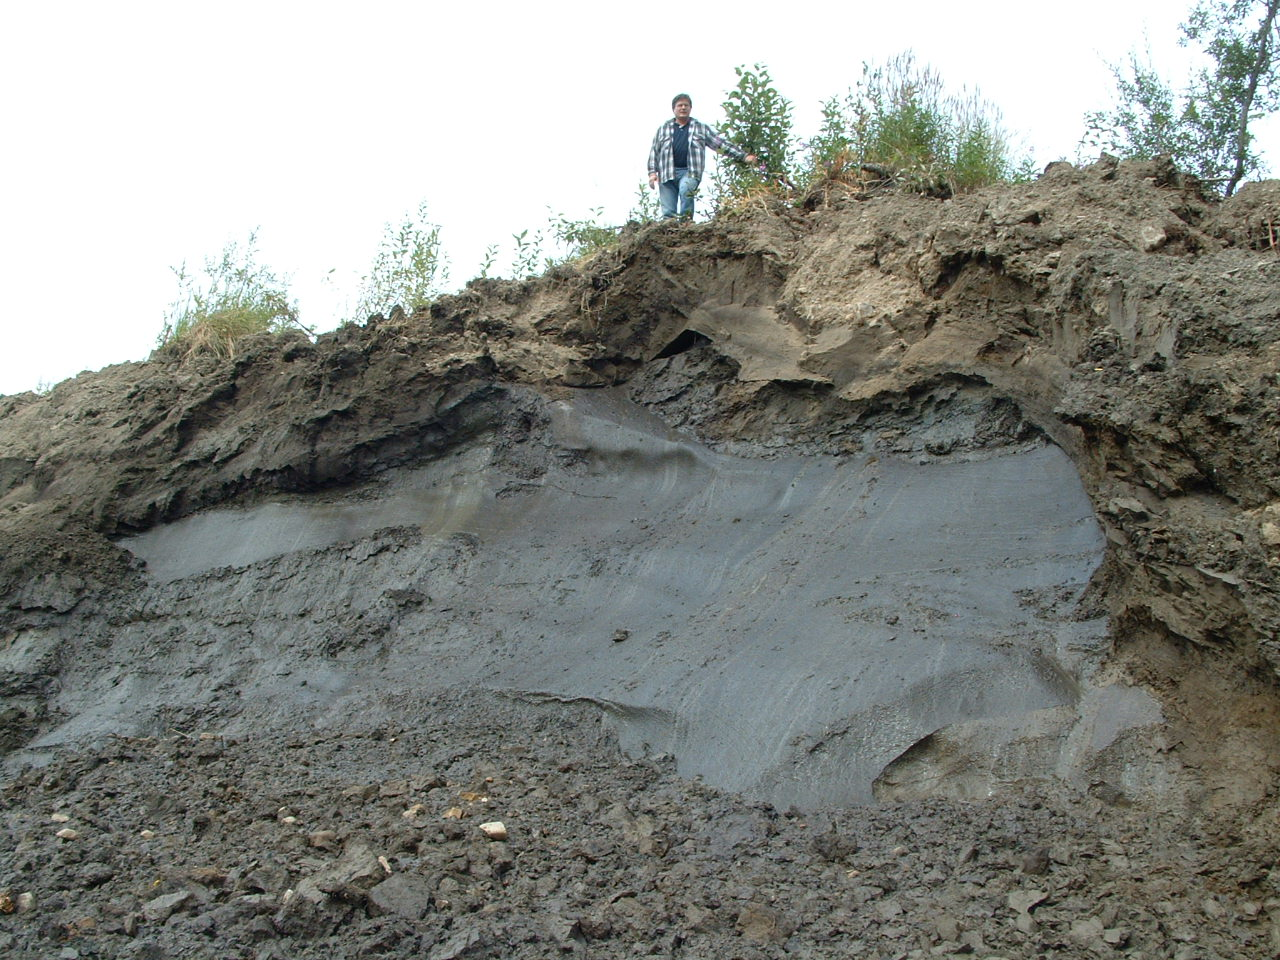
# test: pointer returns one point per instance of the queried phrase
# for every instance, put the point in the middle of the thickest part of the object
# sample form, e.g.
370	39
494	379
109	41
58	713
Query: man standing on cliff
678	158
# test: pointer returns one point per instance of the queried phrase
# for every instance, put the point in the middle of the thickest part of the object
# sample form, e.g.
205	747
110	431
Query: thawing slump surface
789	627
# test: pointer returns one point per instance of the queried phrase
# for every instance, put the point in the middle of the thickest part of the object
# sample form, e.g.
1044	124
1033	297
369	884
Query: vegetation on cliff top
897	126
1205	125
234	297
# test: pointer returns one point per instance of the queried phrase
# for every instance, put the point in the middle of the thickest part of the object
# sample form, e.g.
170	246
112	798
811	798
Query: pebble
494	830
66	833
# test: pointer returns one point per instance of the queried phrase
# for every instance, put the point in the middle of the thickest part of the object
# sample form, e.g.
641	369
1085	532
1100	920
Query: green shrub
646	209
900	120
408	271
488	261
757	118
575	239
235	298
583	238
527	260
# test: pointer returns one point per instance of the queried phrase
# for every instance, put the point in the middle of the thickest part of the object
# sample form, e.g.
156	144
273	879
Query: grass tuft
235	298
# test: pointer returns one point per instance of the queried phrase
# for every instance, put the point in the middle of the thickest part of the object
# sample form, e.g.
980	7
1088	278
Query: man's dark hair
681	96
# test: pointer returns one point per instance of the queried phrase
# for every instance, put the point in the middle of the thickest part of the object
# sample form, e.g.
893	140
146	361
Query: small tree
1243	84
757	119
1206	127
408	270
235	298
1147	120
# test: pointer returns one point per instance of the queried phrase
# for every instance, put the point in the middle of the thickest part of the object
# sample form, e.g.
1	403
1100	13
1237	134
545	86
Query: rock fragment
764	924
403	895
323	839
1022	902
1151	237
1036	862
161	908
357	869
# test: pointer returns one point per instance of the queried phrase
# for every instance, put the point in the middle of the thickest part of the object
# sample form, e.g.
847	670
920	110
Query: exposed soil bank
883	500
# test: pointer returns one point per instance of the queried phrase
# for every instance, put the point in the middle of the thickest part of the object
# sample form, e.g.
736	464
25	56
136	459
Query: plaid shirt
662	155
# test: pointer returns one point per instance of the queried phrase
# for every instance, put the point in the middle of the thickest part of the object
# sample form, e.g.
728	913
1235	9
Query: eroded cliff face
860	510
879	497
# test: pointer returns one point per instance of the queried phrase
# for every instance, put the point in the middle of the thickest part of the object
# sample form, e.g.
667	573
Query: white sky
138	135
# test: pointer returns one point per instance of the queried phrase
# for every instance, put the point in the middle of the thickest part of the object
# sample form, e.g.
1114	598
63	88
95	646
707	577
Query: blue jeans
681	189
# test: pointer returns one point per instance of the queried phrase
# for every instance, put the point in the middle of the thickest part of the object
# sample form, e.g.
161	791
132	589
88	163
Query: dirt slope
222	548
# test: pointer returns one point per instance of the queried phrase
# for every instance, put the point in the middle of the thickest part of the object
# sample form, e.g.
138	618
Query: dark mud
367	842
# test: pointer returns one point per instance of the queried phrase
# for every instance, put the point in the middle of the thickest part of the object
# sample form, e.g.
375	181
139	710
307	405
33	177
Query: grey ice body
792	624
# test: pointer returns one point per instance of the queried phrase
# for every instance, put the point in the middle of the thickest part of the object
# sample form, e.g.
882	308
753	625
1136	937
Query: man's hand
653	180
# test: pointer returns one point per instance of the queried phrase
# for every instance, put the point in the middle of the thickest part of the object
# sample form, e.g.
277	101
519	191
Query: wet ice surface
786	627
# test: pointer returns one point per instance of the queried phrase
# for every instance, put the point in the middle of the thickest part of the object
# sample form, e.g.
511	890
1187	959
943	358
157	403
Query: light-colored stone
1086	931
1023	902
494	830
1152	237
